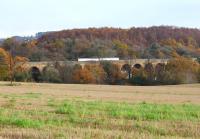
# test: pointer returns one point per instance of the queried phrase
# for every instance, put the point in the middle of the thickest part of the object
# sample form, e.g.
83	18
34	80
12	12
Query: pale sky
27	17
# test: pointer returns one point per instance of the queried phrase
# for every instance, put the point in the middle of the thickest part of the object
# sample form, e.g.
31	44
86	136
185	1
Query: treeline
176	71
153	42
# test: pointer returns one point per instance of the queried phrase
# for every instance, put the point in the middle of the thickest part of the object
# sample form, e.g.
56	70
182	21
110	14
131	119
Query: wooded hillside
153	42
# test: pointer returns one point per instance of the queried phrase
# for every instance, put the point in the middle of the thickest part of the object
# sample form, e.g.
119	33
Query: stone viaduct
36	68
133	63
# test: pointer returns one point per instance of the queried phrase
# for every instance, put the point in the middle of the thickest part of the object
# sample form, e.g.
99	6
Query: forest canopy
152	42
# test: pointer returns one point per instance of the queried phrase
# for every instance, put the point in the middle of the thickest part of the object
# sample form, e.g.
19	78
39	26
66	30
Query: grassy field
89	111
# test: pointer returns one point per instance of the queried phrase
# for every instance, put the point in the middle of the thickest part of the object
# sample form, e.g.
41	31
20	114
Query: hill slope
152	42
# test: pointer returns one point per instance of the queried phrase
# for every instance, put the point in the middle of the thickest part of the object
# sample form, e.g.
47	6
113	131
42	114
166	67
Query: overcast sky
26	17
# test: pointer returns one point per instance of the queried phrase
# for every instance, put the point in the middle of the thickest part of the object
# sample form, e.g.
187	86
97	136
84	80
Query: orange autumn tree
3	65
98	73
12	63
83	76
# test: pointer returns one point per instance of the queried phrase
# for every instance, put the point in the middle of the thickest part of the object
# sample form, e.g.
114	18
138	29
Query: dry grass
154	94
51	111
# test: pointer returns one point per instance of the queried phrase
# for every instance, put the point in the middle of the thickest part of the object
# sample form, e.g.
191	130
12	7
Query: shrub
66	73
113	73
139	78
50	74
22	76
181	70
98	73
83	76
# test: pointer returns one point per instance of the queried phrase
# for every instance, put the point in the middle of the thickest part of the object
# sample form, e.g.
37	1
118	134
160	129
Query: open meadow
30	110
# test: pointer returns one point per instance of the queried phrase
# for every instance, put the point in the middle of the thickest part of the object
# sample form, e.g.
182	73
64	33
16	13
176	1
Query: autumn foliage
83	76
163	42
3	64
177	71
11	64
152	42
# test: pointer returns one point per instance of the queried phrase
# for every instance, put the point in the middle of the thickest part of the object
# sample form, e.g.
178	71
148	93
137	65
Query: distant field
31	110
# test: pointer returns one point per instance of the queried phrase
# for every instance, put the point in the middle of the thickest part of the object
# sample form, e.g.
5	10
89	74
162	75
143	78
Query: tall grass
141	111
106	116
